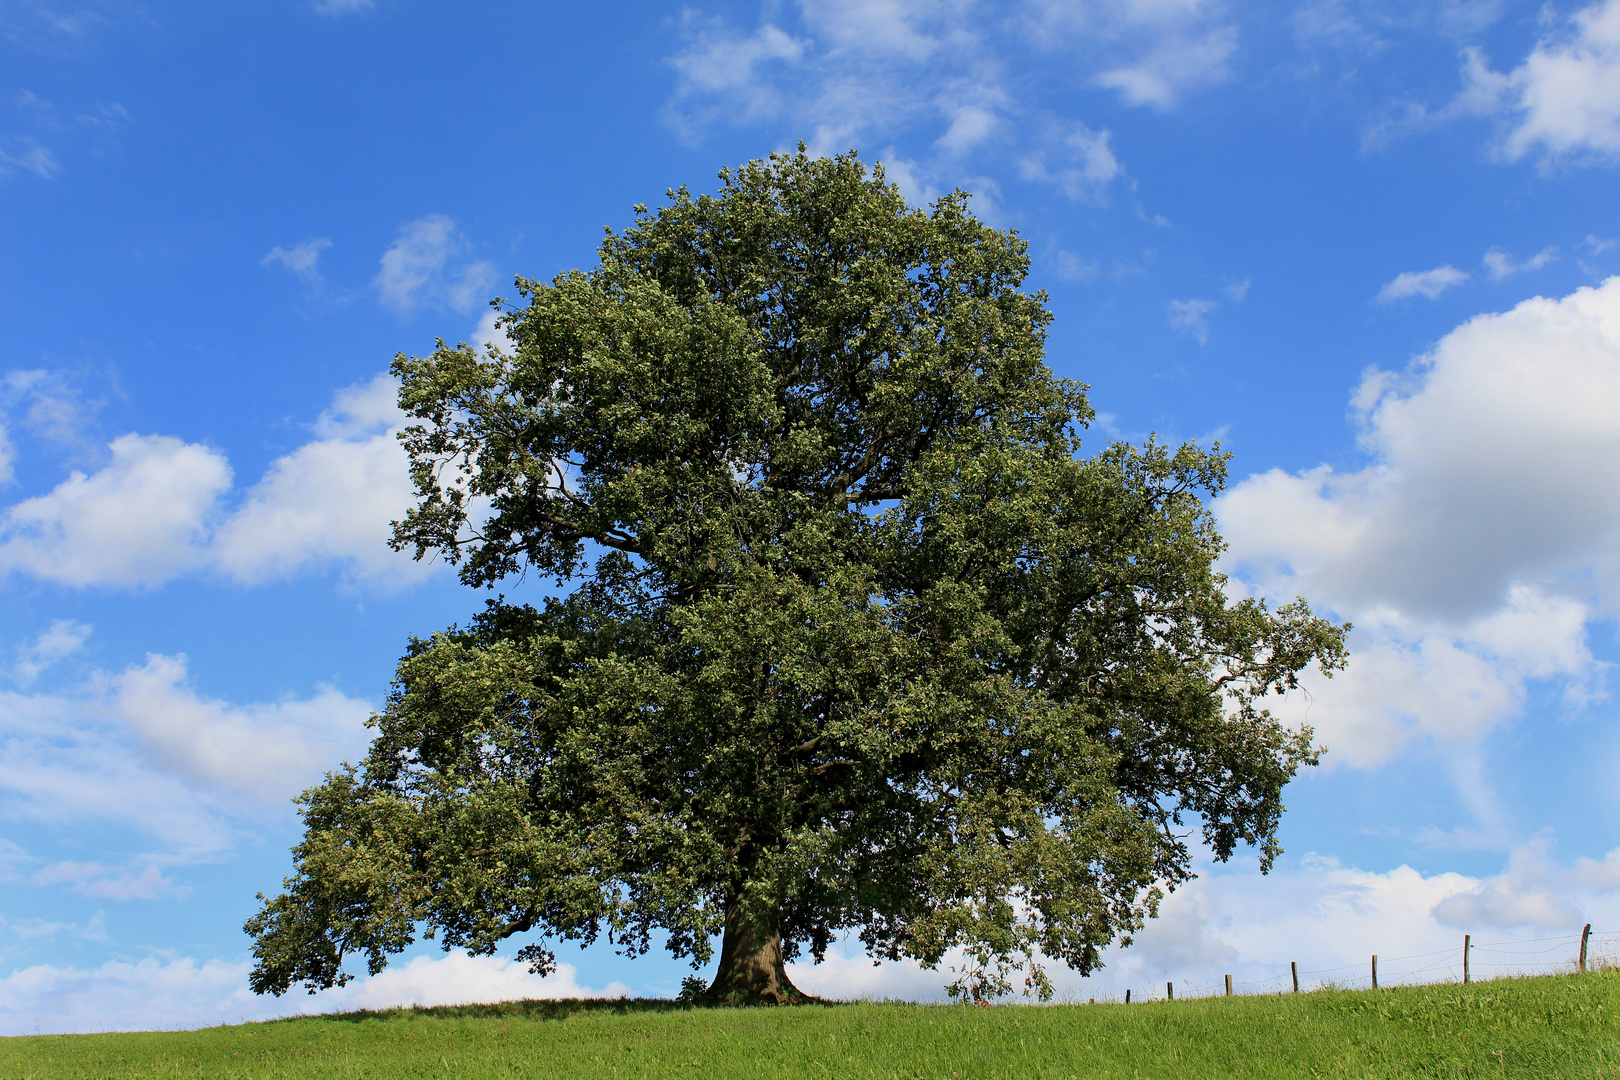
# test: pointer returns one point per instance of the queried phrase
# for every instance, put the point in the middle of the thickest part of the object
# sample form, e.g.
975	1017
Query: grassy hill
1560	1026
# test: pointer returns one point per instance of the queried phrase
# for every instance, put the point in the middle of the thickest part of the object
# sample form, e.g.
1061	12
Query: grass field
1560	1026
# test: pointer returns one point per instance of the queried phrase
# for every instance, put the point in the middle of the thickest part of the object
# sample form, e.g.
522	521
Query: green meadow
1558	1026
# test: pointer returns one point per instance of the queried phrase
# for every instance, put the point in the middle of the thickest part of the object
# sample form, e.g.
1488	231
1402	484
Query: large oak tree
851	636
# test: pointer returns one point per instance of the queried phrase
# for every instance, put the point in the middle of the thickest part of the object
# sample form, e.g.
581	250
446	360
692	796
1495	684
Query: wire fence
1469	961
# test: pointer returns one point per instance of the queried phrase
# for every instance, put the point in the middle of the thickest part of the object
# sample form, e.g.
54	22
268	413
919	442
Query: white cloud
123	995
138	521
416	268
267	752
1178	63
62	639
1477	544
300	260
27	155
331	500
488	334
1085	164
1231	921
1501	265
1563	101
1236	291
341	7
73	761
1152	51
960	75
158	510
1600	874
1234	920
719	65
1523	895
94	928
1191	317
169	770
972	125
1072	267
1430	283
52	409
145	882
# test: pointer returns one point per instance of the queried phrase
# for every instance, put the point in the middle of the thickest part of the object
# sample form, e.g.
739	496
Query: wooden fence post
1585	935
1229	986
1293	965
1375	971
1169	991
1467	938
1127	997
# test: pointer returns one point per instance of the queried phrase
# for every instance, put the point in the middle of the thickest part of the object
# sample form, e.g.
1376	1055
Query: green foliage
858	641
1531	1028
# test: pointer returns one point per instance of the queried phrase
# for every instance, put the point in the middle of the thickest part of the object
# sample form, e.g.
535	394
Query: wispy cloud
1176	64
422	266
1191	317
62	639
1077	160
301	260
958	77
337	8
1500	265
1430	283
26	154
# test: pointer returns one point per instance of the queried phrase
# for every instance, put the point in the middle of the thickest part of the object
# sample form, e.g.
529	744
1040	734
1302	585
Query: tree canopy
849	636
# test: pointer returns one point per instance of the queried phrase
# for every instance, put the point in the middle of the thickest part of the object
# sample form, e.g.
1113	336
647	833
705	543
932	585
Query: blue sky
1368	246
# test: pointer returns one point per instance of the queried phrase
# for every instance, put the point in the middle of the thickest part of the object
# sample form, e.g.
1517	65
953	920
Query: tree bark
752	971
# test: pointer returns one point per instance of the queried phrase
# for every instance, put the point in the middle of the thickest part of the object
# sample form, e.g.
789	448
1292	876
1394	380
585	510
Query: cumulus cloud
1563	101
1477	544
72	761
1191	317
1073	267
138	521
1235	920
1430	283
154	993
330	501
1523	895
717	64
423	266
161	508
266	752
177	776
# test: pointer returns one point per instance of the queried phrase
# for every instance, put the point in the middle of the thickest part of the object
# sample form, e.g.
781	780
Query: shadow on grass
525	1009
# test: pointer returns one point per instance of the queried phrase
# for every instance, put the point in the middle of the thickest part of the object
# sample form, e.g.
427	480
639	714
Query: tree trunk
751	968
